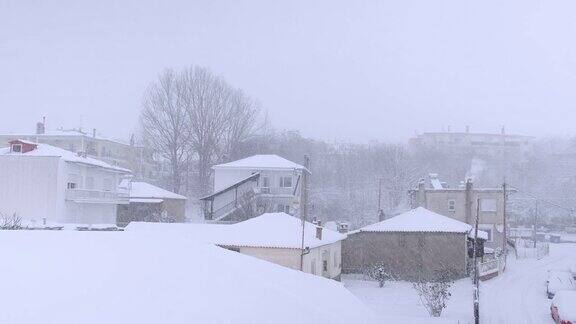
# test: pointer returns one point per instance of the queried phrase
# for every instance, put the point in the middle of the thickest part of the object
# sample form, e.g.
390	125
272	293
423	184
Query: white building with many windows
41	183
270	179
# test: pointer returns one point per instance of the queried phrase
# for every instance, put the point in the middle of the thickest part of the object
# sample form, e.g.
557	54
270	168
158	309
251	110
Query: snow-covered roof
271	230
261	162
146	190
146	200
419	220
155	277
283	231
68	156
66	133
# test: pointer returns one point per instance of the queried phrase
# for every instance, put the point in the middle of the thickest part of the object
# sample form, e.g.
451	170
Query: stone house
416	244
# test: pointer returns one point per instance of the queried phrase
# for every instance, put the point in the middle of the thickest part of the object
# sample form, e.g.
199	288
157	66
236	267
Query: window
283	208
285	182
71	185
488	205
17	148
452	205
325	265
108	184
488	230
265	185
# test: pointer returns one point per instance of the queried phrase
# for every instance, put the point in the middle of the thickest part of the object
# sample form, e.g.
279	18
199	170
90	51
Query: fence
527	250
490	269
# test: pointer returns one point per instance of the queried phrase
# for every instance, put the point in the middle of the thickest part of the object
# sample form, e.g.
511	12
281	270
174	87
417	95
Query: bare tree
194	119
164	124
220	117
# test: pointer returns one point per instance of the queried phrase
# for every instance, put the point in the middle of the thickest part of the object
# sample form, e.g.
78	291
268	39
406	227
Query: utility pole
379	195
535	221
304	206
505	241
476	274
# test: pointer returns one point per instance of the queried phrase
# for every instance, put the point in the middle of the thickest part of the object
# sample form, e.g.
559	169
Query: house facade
462	204
266	182
413	245
45	184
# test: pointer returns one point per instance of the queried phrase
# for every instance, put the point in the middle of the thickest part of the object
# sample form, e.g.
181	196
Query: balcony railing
96	196
276	191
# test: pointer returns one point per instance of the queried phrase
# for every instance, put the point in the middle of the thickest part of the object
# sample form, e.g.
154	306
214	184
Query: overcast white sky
349	70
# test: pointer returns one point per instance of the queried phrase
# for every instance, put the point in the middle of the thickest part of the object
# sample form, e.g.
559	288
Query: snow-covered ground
518	296
131	277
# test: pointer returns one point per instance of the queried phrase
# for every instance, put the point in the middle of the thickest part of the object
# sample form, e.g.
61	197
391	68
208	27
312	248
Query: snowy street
518	296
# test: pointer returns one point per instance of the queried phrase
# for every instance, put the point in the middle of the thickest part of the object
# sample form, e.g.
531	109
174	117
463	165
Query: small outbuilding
274	237
149	203
413	245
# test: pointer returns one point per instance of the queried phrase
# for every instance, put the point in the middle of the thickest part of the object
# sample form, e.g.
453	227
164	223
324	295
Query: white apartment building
273	180
45	184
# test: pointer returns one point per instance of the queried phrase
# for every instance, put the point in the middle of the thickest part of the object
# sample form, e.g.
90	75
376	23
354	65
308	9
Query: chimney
93	132
319	232
421	194
381	215
41	126
468	211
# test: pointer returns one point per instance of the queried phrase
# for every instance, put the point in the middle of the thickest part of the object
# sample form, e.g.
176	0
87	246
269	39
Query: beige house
149	203
274	237
462	203
415	244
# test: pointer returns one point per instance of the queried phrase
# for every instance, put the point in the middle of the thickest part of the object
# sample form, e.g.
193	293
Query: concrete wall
224	178
406	255
29	188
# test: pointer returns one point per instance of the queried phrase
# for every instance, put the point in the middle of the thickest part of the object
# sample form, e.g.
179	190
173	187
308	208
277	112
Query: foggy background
355	71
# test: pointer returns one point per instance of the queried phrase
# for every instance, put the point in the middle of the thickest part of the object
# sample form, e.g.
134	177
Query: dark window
71	185
17	148
325	265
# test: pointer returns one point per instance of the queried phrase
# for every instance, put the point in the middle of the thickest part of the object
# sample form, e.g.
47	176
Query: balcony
96	196
276	191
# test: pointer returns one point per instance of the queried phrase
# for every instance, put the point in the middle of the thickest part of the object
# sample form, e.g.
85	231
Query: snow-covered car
558	280
563	307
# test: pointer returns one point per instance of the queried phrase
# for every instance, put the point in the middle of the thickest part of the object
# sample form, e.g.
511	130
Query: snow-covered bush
379	273
434	292
12	222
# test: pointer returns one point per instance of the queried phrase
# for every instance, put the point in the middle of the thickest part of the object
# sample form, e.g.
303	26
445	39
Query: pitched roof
262	161
145	190
419	220
271	230
283	231
68	156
